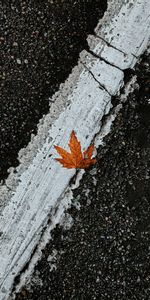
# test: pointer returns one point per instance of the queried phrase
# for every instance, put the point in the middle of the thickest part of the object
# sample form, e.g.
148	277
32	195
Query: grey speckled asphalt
40	43
106	253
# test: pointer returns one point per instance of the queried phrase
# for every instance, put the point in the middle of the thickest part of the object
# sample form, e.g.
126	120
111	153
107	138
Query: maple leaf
75	159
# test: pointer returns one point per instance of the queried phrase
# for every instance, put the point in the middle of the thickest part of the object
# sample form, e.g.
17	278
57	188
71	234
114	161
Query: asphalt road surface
40	44
105	255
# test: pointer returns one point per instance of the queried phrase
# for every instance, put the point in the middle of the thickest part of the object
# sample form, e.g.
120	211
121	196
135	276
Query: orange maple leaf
75	159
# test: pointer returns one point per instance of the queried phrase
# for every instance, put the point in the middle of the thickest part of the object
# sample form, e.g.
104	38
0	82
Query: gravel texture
106	253
40	44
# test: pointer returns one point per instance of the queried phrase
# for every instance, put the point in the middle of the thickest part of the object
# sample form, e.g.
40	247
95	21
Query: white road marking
128	31
42	182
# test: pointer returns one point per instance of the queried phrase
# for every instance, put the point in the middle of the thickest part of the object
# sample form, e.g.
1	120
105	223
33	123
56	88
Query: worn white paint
42	182
101	72
67	197
122	39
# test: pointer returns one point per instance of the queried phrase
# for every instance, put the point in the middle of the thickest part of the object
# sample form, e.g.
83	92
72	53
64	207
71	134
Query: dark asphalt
40	43
106	253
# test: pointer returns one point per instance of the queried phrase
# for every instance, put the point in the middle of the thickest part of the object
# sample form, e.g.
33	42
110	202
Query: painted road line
59	217
40	184
43	183
121	40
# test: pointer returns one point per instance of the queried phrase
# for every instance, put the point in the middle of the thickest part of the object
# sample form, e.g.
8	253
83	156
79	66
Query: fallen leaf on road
75	159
